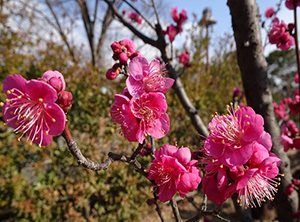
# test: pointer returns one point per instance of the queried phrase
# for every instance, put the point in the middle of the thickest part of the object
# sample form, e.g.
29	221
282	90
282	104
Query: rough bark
253	65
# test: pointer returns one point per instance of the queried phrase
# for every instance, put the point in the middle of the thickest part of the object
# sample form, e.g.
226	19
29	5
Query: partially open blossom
173	170
231	136
236	91
141	117
269	12
290	4
30	108
145	77
135	17
294	106
55	79
172	30
280	35
184	58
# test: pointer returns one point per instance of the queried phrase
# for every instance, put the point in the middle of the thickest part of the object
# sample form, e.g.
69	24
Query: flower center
27	115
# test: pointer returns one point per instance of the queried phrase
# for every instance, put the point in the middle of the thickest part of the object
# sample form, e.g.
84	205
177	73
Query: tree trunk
253	65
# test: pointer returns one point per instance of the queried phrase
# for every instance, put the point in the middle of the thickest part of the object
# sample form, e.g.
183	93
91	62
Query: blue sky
220	12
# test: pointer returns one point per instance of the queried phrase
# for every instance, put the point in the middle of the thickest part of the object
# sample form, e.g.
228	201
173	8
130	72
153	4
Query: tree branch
89	164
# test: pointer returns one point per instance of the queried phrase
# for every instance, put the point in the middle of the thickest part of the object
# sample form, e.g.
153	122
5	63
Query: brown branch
89	164
88	25
253	66
129	26
175	209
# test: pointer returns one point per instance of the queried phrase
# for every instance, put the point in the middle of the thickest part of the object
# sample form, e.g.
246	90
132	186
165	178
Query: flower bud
65	99
116	47
56	83
289	189
112	73
123	57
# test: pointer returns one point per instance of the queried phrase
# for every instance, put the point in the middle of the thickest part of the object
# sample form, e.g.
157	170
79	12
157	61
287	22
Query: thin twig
137	11
157	208
175	209
89	164
156	12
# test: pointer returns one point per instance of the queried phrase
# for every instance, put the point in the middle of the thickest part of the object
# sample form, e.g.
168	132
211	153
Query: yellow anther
248	123
246	116
1	104
8	92
221	166
19	97
40	99
47	132
53	120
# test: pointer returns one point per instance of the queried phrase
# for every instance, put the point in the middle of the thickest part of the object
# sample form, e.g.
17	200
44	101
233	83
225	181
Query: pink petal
137	67
49	74
55	119
235	157
40	90
183	155
244	180
13	81
214	149
167	191
135	87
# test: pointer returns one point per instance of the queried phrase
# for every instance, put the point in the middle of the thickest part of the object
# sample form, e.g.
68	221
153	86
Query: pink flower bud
65	99
296	78
296	182
112	73
56	83
289	189
135	54
116	47
123	57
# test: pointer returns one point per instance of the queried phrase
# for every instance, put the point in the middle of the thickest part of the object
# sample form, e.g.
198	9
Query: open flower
280	35
141	117
231	136
30	109
145	77
173	170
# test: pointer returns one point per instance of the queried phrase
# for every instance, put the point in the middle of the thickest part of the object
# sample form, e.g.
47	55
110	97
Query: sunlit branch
89	164
176	213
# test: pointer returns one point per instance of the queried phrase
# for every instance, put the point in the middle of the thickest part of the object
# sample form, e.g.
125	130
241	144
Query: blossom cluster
141	109
173	170
36	107
237	159
280	34
179	19
123	50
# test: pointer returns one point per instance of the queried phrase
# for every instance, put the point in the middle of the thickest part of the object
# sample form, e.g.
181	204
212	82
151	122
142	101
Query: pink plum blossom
236	91
269	12
173	170
30	108
135	17
258	183
145	77
123	50
280	35
184	58
231	136
141	117
171	32
290	5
